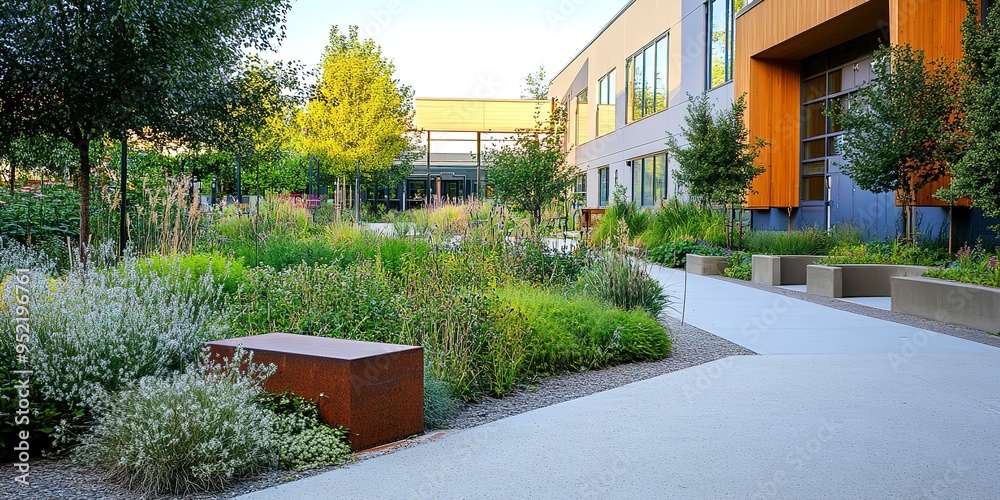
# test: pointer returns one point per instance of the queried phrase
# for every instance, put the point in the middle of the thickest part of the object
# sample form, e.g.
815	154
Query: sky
455	48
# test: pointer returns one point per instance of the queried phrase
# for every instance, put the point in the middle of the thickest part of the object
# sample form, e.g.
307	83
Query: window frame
603	186
729	44
630	79
831	134
580	187
657	166
607	91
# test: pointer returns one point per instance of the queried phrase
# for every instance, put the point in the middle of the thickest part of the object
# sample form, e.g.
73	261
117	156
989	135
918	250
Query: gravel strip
874	312
59	479
690	347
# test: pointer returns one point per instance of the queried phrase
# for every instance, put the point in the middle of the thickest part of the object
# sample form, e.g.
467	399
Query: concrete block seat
779	270
963	304
706	265
856	280
375	390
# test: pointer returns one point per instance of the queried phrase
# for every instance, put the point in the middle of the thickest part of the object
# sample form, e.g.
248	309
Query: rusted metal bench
375	390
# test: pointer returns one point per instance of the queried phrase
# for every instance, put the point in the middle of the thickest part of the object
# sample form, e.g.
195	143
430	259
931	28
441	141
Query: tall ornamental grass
811	241
636	219
677	220
623	281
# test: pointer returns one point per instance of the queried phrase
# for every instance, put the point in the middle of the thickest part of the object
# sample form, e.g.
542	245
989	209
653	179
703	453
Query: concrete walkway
853	407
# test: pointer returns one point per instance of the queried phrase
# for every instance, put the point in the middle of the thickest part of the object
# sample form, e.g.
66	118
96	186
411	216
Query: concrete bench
856	280
374	390
706	265
964	304
778	270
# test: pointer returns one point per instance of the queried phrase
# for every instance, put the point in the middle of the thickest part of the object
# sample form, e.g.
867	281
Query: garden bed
952	302
856	280
779	270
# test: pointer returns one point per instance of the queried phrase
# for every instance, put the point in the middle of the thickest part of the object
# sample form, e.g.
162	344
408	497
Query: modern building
628	89
453	133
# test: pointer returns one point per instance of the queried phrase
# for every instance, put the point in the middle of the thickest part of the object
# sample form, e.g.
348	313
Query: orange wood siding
775	90
774	35
934	26
771	38
774	22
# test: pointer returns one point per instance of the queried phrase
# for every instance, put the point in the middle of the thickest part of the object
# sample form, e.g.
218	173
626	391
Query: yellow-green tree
359	114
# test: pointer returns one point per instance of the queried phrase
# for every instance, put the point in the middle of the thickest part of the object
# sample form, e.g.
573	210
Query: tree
718	162
259	108
359	114
901	131
91	68
40	151
536	85
977	173
531	172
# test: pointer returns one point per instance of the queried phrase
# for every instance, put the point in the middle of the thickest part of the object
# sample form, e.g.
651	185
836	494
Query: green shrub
224	272
358	302
972	265
535	261
29	217
394	251
281	252
194	431
810	241
896	253
675	254
303	442
740	266
623	282
449	310
579	332
677	221
279	219
439	402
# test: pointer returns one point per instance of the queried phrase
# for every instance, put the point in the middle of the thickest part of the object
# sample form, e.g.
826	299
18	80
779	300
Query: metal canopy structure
454	133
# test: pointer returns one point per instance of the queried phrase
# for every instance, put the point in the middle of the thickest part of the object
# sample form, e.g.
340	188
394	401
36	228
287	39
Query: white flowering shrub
95	332
303	441
195	431
14	256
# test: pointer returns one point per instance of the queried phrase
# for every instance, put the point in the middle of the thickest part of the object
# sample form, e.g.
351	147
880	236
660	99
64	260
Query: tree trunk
12	172
84	187
951	227
740	231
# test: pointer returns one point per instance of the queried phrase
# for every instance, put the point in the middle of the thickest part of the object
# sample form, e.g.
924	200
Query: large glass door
828	81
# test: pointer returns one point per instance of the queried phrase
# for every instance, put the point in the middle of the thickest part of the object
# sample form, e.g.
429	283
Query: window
582	111
648	82
987	5
580	189
606	104
721	40
828	80
416	190
602	186
649	180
